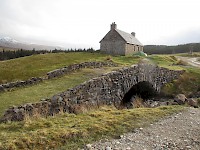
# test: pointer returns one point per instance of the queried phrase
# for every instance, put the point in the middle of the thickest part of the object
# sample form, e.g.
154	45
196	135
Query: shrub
182	63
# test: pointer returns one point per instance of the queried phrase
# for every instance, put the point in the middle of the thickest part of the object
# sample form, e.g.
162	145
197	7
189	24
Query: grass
69	131
194	54
187	83
38	65
44	63
47	88
166	61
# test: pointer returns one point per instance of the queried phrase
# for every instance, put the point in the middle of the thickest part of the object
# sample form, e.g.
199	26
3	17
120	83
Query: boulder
192	102
180	99
2	88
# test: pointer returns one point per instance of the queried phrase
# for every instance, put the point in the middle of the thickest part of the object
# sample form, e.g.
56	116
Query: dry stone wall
107	89
55	73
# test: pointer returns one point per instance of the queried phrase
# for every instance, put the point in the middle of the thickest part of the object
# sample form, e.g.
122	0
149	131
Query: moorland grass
194	54
188	83
69	131
47	88
167	61
38	65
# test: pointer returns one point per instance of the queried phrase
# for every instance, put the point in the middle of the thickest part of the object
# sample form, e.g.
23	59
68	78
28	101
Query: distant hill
8	42
164	49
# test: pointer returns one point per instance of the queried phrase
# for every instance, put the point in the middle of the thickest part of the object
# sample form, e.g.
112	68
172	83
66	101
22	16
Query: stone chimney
113	26
133	34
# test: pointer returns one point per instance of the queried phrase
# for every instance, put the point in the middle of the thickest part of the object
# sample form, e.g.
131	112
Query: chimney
133	34
113	26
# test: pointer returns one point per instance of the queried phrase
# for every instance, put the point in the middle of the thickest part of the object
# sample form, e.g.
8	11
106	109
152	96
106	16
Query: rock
2	88
192	102
188	147
196	94
88	147
180	99
154	104
107	89
108	148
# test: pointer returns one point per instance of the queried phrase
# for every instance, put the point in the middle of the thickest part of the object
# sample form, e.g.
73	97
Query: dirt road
177	132
193	61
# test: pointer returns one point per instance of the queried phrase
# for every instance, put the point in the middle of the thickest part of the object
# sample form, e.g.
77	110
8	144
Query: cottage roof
129	38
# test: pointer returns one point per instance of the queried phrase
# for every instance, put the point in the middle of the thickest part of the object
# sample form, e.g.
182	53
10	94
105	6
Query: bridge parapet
107	89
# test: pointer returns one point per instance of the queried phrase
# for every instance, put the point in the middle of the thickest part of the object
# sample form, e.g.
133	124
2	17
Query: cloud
190	36
85	22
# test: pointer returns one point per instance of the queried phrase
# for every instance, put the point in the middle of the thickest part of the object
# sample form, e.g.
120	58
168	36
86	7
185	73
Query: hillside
8	42
70	131
38	65
164	49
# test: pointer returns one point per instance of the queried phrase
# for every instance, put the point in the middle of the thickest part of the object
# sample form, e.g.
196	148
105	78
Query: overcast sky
83	23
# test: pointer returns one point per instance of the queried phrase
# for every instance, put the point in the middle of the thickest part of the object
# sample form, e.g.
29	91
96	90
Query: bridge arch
111	88
143	89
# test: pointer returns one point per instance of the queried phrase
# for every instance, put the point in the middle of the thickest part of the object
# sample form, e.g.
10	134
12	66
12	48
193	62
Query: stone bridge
115	88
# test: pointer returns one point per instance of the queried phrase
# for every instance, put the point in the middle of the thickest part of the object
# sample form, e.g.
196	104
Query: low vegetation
188	83
181	63
194	54
167	61
6	53
69	131
47	88
38	65
164	49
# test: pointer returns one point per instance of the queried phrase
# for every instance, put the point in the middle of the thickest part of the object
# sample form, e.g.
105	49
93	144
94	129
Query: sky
83	23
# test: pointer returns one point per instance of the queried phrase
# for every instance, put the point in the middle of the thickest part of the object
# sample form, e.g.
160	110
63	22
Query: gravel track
177	132
191	61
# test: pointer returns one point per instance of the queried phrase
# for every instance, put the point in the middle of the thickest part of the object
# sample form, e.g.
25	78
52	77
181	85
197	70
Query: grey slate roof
129	38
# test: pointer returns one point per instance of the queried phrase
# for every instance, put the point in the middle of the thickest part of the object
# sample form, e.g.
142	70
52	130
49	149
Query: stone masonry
55	73
108	89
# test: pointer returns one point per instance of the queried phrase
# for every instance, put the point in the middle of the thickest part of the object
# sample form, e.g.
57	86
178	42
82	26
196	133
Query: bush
182	63
198	101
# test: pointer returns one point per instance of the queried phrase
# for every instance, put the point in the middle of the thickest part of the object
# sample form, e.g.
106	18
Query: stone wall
107	89
55	73
131	48
113	44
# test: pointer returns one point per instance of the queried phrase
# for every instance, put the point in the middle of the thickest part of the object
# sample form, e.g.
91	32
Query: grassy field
51	87
38	65
47	88
69	131
167	61
187	84
194	54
